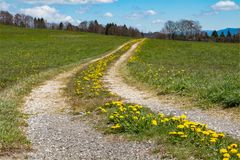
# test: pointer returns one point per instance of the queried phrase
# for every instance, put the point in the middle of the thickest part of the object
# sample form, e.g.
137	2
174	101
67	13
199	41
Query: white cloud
150	12
108	14
4	6
157	21
83	10
48	13
68	1
141	14
225	5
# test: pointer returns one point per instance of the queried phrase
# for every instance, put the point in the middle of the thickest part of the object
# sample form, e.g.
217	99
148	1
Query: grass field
27	57
208	73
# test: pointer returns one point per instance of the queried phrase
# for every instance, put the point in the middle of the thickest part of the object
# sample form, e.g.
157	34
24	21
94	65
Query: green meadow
208	73
30	56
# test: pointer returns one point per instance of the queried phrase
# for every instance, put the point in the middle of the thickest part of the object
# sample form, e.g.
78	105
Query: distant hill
233	31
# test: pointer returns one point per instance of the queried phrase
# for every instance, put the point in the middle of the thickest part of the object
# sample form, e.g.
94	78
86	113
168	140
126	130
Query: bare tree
6	17
170	28
83	26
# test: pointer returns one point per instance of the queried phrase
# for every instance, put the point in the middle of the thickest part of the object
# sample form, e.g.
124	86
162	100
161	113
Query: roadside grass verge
207	73
29	57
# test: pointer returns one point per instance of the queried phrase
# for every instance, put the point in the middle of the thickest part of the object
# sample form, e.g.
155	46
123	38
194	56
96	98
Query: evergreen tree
215	34
61	26
229	35
222	35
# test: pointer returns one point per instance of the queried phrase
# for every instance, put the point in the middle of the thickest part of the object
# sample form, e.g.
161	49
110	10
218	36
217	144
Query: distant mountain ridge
233	31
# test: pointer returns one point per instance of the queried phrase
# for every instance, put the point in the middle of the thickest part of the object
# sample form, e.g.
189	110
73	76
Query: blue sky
147	15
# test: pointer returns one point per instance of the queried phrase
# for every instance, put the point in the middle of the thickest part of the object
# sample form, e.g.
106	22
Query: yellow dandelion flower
121	117
215	135
183	116
172	133
135	118
161	115
111	117
138	112
184	136
223	151
233	145
180	126
213	140
198	130
206	133
180	133
226	155
116	126
154	122
238	155
233	151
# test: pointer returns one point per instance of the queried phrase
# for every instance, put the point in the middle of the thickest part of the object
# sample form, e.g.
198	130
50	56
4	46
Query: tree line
186	30
189	30
22	20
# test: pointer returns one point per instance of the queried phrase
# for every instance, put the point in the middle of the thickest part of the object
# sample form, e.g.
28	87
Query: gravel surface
117	85
55	134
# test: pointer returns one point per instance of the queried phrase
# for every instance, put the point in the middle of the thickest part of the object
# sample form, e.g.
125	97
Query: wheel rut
56	134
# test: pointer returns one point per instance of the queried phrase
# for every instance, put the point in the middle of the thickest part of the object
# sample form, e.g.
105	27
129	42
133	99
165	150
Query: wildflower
172	133
175	118
116	126
198	130
154	122
135	118
138	112
213	140
183	116
221	135
215	135
238	155
161	115
103	110
233	145
223	151
233	151
226	155
111	117
206	133
180	126
184	136
225	158
180	133
121	117
165	120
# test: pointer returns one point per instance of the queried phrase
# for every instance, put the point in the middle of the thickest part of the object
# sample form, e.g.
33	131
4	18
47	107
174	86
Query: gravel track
117	85
55	134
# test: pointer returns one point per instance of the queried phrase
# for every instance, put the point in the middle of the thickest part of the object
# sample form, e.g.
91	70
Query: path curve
116	84
55	134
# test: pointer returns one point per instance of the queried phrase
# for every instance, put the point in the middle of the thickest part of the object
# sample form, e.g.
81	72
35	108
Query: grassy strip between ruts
86	88
180	137
205	73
